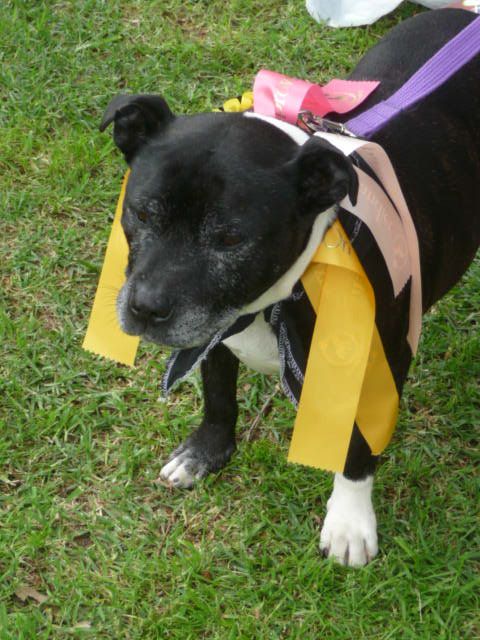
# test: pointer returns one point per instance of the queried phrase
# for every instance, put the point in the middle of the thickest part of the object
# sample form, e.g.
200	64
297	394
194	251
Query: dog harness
334	366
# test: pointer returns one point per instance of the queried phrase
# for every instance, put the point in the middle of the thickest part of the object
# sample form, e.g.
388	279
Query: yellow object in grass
239	104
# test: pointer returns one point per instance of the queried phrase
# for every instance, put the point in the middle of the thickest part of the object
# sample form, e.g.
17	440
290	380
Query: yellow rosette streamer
104	335
347	376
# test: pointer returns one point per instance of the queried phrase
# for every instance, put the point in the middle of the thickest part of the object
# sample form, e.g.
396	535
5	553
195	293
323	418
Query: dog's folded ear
323	176
136	118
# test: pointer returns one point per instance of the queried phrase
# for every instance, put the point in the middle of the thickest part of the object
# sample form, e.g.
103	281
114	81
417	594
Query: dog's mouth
186	327
180	339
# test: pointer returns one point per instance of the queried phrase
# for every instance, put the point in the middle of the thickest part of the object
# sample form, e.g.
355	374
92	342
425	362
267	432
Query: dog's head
218	207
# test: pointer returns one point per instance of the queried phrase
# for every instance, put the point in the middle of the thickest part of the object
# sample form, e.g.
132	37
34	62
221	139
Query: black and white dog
223	213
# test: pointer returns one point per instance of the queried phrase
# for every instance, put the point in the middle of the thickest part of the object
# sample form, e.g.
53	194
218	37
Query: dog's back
434	146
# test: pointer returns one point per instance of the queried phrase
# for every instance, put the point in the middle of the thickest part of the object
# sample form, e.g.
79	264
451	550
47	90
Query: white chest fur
256	346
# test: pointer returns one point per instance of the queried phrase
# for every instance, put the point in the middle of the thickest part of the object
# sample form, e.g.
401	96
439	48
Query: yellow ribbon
347	377
104	335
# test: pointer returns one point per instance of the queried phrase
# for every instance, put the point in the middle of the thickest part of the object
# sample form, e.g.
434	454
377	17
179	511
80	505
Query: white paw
349	532
182	471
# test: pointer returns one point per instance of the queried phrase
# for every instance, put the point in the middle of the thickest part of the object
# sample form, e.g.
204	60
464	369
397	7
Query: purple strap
447	61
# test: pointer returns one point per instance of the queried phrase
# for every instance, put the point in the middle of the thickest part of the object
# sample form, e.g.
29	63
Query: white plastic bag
353	13
432	4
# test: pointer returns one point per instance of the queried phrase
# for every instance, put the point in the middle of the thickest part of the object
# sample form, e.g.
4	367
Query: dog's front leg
349	532
210	447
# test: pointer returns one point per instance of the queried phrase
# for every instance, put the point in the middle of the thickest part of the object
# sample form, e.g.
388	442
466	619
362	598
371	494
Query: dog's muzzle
149	308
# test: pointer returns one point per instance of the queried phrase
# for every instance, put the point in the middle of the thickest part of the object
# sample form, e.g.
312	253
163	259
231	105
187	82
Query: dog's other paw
349	532
202	453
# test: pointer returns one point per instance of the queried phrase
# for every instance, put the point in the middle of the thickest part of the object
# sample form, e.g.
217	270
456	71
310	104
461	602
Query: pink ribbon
376	157
283	97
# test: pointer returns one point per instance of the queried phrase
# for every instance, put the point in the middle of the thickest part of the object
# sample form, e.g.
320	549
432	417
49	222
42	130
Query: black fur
323	175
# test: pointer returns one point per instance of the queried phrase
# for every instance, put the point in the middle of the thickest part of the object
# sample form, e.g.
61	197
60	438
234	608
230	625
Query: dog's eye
142	216
228	239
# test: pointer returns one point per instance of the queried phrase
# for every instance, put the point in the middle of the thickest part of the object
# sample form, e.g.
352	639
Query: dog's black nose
150	307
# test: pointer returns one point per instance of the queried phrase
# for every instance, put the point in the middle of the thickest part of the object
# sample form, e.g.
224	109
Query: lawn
83	521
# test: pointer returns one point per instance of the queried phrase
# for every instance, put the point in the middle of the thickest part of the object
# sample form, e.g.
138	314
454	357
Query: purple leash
437	70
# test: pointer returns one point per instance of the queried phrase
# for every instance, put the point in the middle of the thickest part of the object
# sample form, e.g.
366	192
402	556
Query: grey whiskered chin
191	328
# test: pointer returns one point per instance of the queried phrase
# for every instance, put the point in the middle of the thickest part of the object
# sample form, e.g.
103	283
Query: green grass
82	519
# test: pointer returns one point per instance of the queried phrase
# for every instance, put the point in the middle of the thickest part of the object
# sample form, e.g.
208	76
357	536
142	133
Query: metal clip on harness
311	123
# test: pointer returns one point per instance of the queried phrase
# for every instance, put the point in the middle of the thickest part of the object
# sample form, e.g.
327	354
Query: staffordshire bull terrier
223	213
